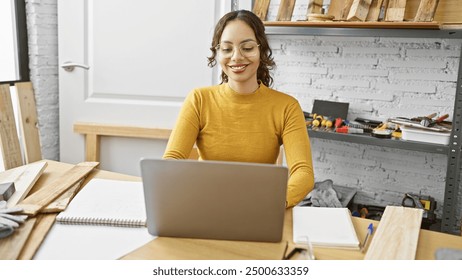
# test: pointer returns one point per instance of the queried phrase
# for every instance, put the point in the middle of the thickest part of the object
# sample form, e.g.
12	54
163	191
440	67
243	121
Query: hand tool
427	203
438	120
6	190
347	129
427	120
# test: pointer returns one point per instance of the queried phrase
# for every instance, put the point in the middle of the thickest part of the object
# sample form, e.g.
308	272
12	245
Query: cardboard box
421	135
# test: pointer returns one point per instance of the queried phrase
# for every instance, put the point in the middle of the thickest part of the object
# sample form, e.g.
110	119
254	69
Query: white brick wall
42	28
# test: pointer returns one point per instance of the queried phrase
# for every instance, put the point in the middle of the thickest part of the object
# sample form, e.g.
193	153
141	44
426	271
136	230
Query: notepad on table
324	227
107	202
105	220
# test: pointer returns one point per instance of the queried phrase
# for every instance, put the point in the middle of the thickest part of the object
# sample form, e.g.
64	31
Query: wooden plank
395	10
260	8
448	11
11	247
9	141
346	9
359	10
314	7
374	10
28	122
426	10
335	9
36	237
122	131
40	199
92	147
61	203
24	178
286	8
397	235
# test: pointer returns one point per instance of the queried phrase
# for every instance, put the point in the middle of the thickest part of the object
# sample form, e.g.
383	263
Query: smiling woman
13	45
242	119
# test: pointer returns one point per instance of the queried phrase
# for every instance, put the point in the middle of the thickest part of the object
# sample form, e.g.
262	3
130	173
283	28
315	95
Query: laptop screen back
214	199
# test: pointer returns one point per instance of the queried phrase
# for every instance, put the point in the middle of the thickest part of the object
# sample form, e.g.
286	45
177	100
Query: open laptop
214	199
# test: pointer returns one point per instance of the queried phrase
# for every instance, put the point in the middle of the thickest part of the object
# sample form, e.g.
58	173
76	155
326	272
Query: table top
167	248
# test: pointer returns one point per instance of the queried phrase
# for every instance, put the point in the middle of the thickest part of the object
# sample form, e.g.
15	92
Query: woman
242	119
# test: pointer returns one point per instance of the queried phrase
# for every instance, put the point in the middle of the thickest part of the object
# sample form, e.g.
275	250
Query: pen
370	229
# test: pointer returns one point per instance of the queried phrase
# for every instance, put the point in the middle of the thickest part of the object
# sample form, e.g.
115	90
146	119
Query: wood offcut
426	10
40	199
28	122
359	10
374	10
286	9
397	235
395	10
24	178
11	150
260	8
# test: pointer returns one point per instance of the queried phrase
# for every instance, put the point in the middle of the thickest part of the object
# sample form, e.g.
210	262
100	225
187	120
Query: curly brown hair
266	59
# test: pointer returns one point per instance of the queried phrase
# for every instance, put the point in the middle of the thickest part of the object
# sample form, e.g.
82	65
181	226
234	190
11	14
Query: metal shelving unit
451	216
389	143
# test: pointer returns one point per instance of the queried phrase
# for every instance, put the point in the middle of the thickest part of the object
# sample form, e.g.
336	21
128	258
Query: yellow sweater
229	126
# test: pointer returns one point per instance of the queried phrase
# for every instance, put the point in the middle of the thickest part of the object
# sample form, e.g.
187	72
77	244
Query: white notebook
107	202
324	227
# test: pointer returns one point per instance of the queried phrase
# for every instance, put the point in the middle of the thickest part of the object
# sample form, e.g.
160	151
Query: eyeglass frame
217	48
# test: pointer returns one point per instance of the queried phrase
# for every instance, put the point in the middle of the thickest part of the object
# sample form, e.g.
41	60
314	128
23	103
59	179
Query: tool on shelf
425	202
431	122
425	121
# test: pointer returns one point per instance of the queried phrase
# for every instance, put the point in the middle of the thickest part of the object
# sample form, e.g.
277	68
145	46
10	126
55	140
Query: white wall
380	77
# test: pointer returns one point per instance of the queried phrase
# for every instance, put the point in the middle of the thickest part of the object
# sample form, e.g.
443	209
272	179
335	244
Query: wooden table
186	249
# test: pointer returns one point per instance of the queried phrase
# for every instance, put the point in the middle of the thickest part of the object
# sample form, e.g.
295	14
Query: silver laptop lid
214	199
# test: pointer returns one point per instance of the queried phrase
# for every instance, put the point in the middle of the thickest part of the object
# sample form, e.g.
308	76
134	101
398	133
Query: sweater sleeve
298	155
186	129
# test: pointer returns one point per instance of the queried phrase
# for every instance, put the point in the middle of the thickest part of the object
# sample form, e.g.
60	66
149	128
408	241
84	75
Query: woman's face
241	68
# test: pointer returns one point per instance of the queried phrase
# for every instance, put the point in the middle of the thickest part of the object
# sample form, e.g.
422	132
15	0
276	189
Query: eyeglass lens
247	49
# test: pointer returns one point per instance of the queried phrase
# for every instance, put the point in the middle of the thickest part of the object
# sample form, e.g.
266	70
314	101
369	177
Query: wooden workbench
183	248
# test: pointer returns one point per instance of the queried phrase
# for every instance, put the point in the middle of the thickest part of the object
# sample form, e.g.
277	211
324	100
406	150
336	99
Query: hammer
438	120
426	121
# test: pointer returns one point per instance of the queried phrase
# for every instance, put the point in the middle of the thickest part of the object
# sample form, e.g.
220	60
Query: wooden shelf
358	24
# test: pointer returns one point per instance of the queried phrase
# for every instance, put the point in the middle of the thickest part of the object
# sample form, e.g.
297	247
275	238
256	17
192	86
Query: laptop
214	199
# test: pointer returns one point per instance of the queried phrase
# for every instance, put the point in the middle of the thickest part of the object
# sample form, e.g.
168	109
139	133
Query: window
14	60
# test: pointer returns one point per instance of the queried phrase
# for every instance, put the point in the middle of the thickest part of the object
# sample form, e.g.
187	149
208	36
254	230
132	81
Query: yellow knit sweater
229	126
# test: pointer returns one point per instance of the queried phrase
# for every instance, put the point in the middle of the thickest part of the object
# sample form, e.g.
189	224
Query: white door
143	56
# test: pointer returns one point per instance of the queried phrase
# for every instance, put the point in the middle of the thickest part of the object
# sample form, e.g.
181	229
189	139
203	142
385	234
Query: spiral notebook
324	227
107	203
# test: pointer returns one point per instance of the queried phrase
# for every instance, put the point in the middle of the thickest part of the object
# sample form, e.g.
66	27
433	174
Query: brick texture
42	29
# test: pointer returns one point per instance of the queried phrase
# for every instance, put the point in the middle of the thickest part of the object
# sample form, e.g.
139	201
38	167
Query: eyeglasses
247	49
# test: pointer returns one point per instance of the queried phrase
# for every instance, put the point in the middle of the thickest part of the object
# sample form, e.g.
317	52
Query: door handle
69	66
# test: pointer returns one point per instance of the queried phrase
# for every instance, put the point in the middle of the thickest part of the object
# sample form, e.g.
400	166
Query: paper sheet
88	242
